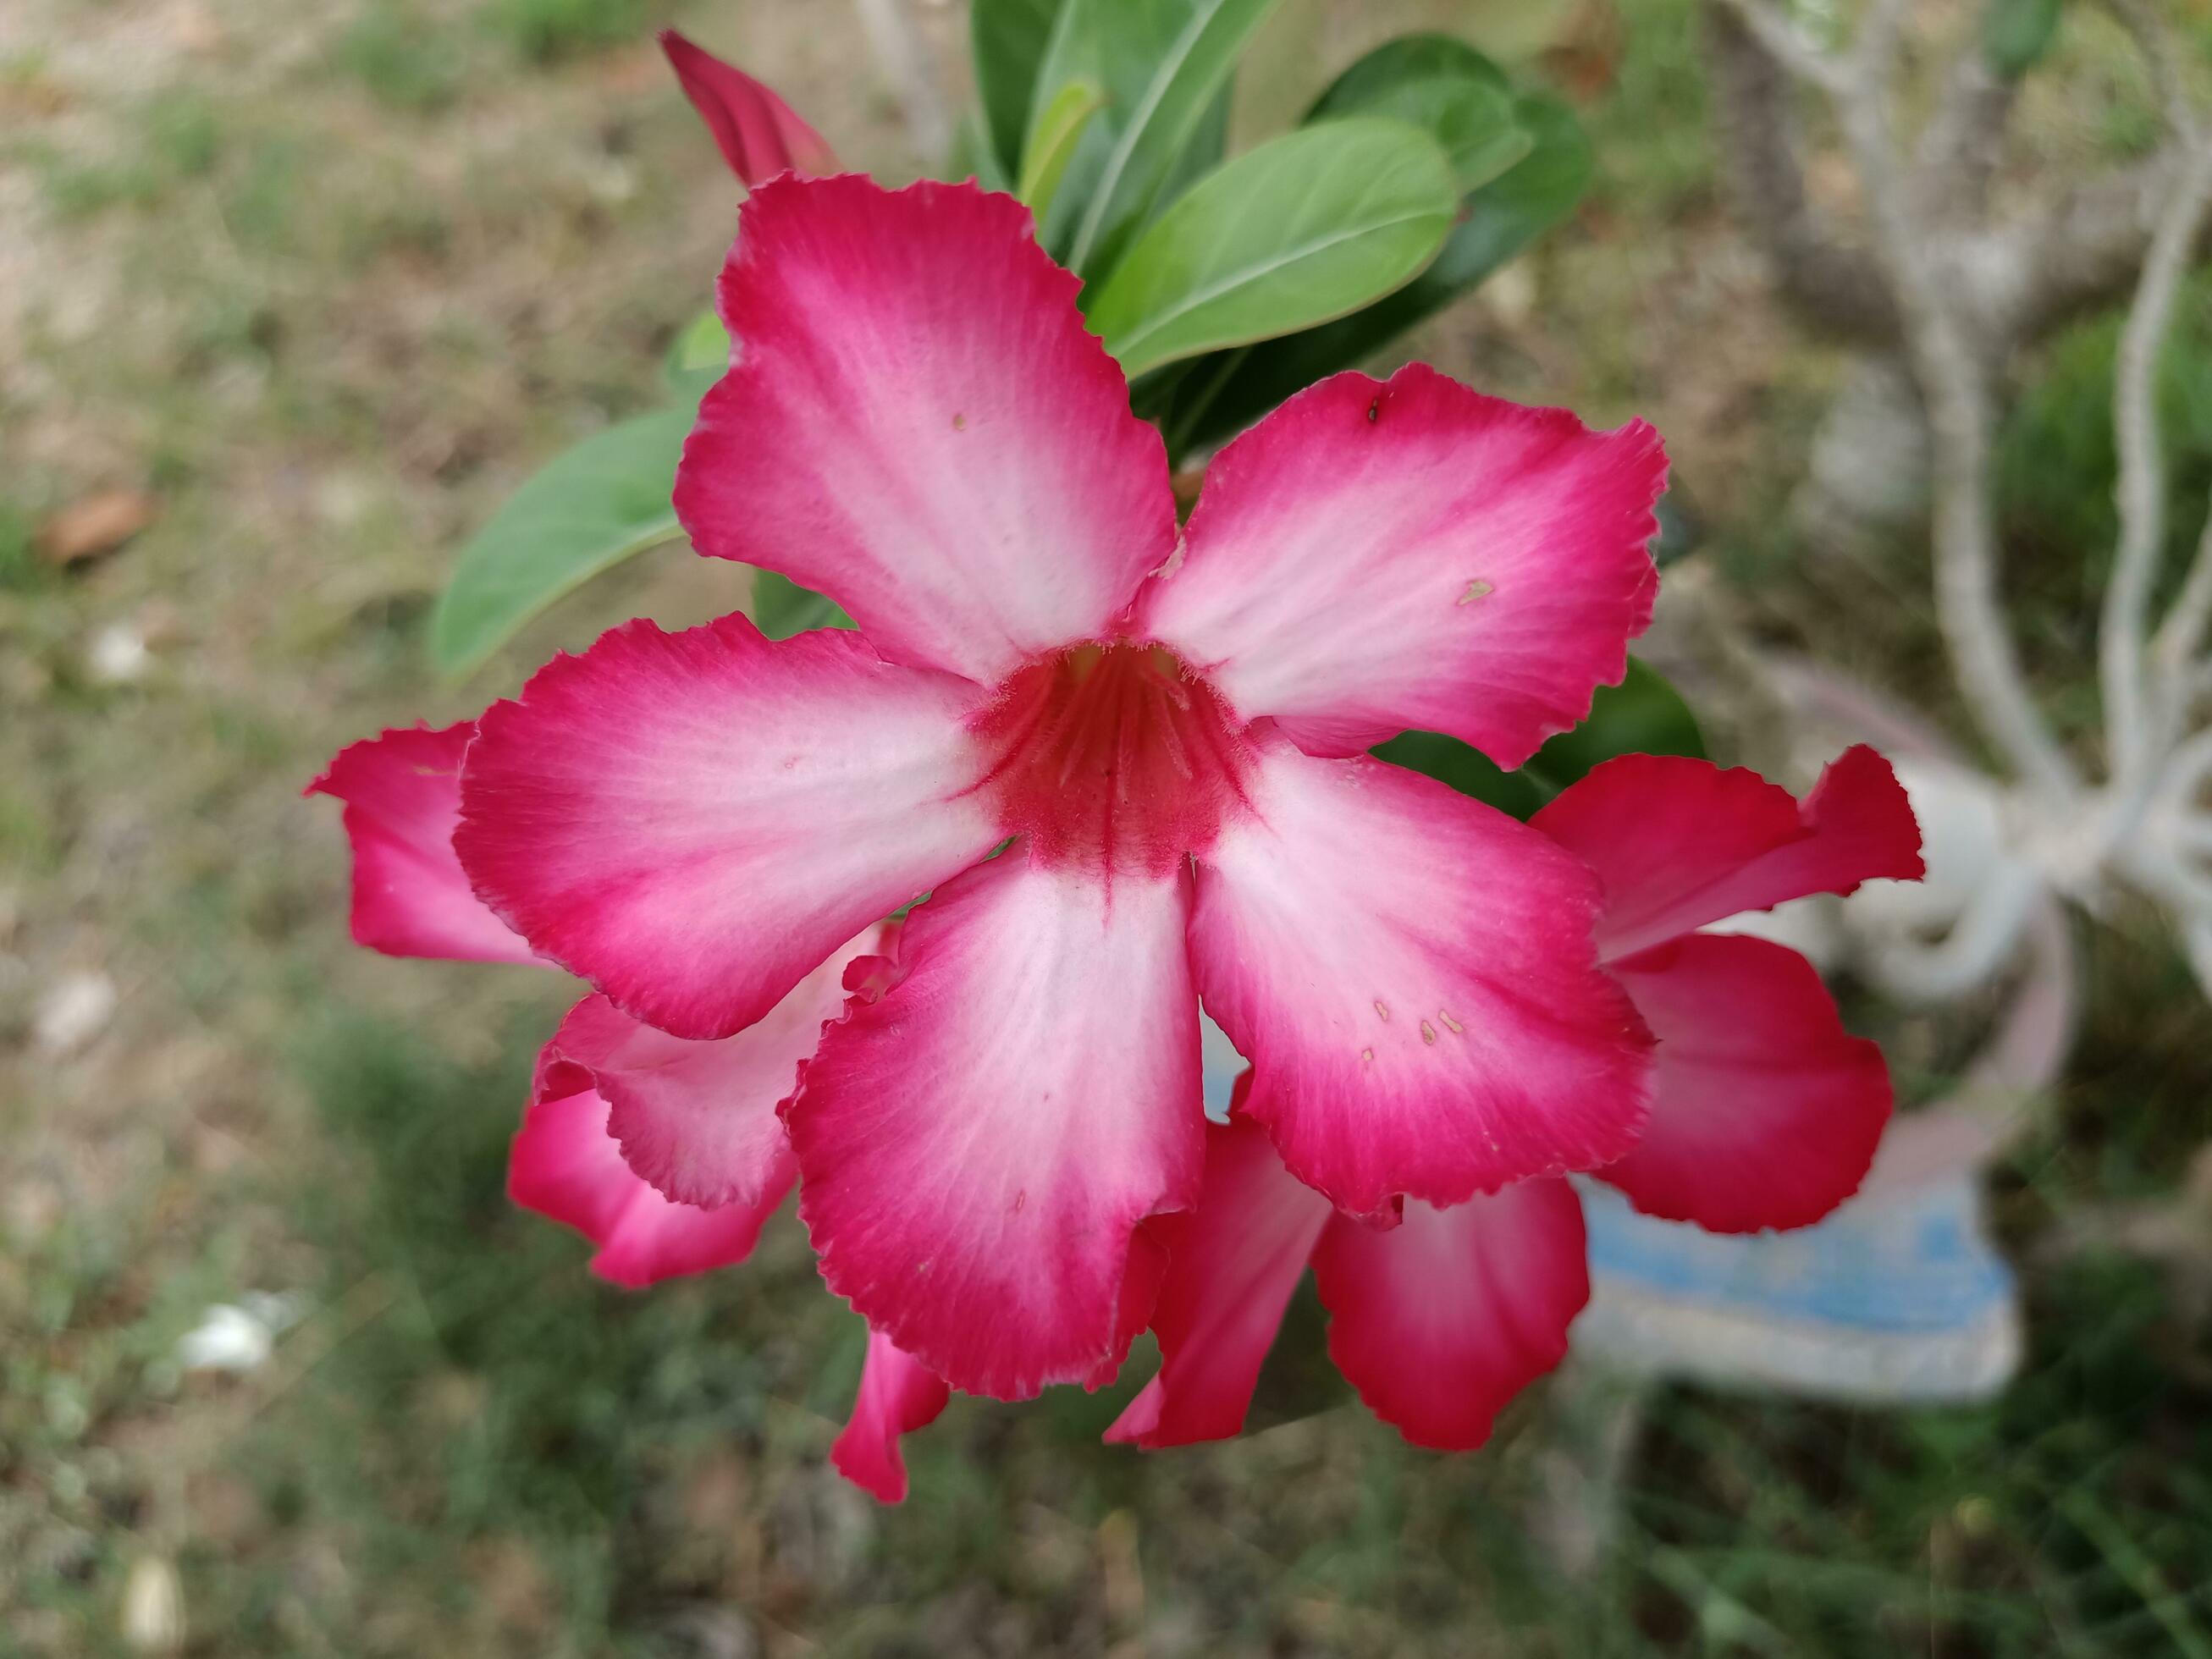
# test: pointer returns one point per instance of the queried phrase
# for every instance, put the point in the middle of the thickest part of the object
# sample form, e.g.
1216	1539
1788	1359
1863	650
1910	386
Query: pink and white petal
1765	1111
979	1144
1412	976
918	425
1440	1321
693	821
566	1166
1679	843
1233	1262
1374	556
698	1120
898	1395
403	796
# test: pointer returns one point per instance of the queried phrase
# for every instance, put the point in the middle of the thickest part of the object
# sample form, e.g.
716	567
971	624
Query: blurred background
292	294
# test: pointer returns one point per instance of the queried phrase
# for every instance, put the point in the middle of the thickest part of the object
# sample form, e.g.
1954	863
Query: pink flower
1167	727
1765	1113
758	133
612	1097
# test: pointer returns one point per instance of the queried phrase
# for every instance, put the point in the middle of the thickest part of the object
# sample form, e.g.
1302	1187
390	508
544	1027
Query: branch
1960	148
1873	54
1785	43
1839	288
2043	270
903	56
2181	636
1954	378
2130	725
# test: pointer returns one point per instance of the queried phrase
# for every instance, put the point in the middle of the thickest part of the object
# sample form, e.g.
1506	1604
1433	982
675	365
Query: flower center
1112	755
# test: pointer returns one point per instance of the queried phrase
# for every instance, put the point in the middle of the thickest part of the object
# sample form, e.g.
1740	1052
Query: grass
331	302
544	30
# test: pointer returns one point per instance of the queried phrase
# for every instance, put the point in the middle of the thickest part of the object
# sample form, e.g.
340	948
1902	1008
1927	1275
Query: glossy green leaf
1059	129
2017	34
1448	90
1407	58
1642	715
588	509
1465	769
782	607
1497	221
1473	122
698	357
1007	39
1308	227
1166	66
972	156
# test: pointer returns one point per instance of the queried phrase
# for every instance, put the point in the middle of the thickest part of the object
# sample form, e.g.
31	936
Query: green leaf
2016	34
1059	129
1448	89
782	607
972	156
1642	715
1166	66
1497	221
587	510
698	357
1308	227
1007	39
1465	768
1191	76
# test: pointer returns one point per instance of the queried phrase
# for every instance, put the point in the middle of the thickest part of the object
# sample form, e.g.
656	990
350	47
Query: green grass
402	60
544	30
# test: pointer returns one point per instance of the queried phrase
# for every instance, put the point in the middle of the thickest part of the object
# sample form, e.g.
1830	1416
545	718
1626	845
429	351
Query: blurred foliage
2056	463
546	30
403	61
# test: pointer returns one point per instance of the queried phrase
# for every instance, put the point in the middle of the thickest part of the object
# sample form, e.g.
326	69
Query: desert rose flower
1158	733
700	1117
1765	1113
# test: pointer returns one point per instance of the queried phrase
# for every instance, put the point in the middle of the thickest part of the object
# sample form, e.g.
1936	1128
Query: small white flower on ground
239	1336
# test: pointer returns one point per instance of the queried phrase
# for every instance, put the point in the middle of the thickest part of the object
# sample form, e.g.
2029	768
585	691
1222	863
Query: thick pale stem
2175	652
1961	417
2131	726
1836	287
1787	44
904	56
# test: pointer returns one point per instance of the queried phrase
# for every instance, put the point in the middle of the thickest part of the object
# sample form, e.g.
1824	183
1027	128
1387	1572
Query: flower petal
979	1143
1679	843
698	1120
1233	1262
918	425
1412	975
693	821
1374	556
403	796
564	1165
898	1395
1440	1321
1765	1111
758	133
